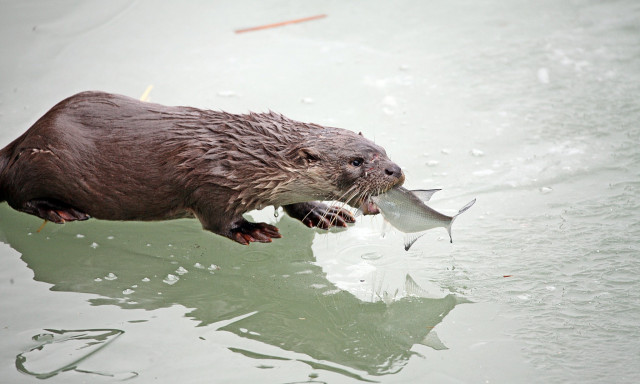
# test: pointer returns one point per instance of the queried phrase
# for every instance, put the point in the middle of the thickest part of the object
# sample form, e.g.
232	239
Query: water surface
531	107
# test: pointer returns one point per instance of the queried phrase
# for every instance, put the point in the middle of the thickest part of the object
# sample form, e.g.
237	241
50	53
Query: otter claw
331	217
342	215
316	214
248	232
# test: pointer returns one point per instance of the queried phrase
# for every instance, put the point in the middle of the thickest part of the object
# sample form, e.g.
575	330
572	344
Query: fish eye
357	162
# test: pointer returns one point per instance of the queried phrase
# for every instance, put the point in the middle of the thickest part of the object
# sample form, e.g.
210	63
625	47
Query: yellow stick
146	93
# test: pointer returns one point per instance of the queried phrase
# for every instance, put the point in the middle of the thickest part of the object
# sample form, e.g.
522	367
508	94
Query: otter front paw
320	215
247	232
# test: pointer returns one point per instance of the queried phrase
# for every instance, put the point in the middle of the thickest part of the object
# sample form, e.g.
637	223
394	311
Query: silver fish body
406	211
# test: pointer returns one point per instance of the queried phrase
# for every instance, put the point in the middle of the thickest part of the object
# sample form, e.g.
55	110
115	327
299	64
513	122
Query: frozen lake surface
531	107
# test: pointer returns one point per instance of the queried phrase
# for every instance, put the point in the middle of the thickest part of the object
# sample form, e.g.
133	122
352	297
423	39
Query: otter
112	157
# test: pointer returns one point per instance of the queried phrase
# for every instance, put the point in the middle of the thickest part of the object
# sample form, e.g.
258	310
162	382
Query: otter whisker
351	197
352	191
306	216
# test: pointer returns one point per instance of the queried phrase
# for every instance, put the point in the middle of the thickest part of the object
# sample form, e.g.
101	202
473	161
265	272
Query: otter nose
393	170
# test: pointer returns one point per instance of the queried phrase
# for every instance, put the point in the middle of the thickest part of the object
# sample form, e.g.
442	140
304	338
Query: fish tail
467	206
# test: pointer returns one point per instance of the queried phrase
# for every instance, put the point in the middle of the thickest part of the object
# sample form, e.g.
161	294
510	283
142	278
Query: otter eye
357	162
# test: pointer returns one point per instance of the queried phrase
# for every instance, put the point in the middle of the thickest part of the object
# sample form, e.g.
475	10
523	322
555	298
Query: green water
530	107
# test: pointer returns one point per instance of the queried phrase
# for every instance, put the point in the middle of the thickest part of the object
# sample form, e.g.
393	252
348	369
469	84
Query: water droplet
477	153
543	75
227	93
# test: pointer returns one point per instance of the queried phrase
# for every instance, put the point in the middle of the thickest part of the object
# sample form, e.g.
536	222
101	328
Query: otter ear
308	155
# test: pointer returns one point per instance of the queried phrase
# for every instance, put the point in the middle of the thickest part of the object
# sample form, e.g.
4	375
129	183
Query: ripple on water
373	252
374	255
255	255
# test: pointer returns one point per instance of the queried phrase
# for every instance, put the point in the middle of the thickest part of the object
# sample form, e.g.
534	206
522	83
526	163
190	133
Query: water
531	107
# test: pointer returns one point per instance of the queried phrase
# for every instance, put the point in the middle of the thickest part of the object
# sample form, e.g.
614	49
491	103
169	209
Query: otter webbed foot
247	232
315	214
54	211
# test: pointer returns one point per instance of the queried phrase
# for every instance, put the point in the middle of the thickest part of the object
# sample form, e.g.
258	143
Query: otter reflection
293	306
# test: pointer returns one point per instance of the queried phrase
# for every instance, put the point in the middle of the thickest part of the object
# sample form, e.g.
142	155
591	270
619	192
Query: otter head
353	167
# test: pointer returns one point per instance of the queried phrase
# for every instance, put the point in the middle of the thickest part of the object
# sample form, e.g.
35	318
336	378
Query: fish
406	211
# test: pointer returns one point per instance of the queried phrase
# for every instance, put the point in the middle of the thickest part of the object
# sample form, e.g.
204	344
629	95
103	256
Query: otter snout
394	171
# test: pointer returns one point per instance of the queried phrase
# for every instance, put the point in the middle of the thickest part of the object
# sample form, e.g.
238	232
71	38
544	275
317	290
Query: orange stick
280	24
42	226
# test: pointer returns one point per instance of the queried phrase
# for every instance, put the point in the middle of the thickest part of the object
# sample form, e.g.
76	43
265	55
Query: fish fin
411	238
386	227
425	194
432	340
467	206
412	288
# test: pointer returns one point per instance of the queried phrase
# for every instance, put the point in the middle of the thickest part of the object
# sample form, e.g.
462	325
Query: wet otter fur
112	157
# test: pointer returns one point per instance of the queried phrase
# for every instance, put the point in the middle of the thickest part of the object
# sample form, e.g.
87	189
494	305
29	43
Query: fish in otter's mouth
364	202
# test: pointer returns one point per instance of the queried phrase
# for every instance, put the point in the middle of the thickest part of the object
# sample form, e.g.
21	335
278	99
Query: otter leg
316	214
53	211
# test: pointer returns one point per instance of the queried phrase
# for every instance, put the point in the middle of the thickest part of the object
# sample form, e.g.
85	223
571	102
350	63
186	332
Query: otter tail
4	161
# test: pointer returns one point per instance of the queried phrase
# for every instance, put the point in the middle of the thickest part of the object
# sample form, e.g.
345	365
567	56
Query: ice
111	276
170	279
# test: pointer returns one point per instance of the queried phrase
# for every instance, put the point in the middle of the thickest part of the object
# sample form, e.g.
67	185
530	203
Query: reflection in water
291	304
62	350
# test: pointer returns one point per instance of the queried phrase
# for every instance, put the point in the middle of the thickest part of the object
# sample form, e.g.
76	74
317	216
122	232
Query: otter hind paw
54	211
248	232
